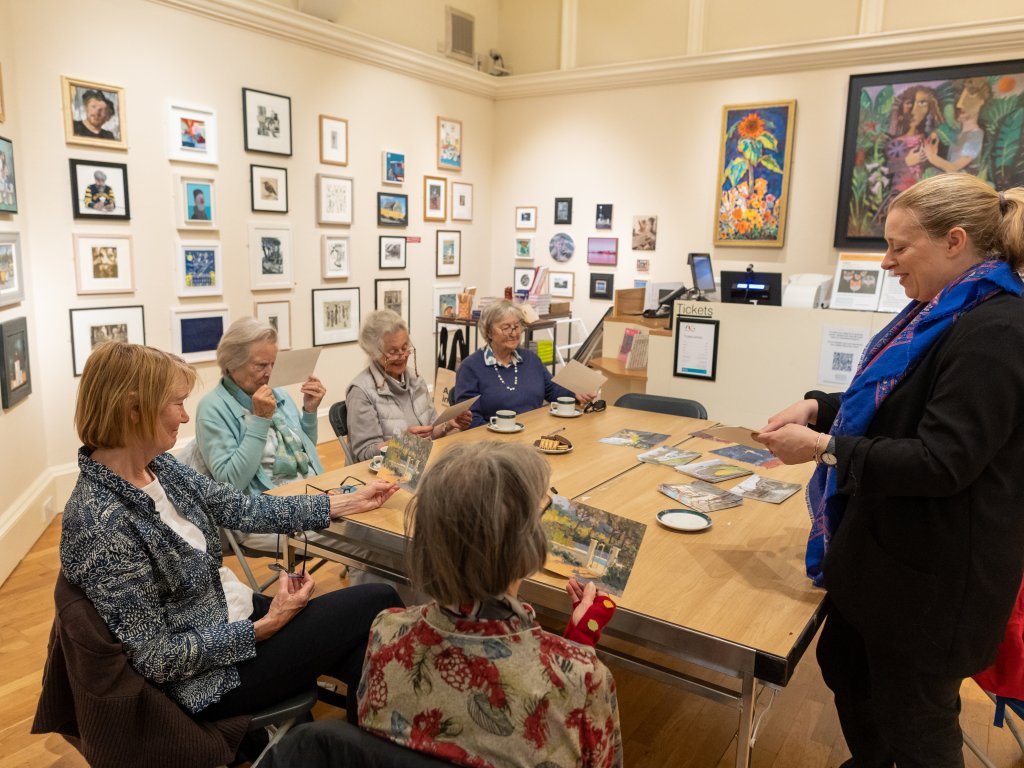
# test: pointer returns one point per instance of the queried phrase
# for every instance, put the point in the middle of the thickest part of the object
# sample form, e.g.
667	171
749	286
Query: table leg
746	724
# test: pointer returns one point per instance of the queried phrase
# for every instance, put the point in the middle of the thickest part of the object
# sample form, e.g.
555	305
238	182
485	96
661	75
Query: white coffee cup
565	406
504	421
376	463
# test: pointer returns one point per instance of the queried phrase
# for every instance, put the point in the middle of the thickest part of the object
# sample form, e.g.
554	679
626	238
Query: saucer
577	412
519	428
686	520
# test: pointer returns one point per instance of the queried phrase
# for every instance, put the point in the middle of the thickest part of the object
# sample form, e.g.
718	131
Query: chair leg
978	753
1011	722
277	732
237	550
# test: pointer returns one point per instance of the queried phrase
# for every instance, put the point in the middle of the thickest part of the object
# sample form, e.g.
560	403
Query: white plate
578	412
519	428
688	520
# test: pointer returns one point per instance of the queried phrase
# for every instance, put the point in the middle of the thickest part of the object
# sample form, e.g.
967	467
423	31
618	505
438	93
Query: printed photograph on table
446	299
765	489
753	174
524	248
196	202
336	316
645	233
278	315
17	372
391	252
269	187
334	196
393	295
333	140
392	210
448	252
714	470
522	279
268	122
270	257
668	456
99	190
902	127
526	217
462	201
12	278
563	210
392	167
8	183
603	217
192	134
196	332
561	247
561	285
334	257
602	285
757	456
405	460
94	114
435	198
103	264
449	144
603	251
199	270
93	326
704	497
634	438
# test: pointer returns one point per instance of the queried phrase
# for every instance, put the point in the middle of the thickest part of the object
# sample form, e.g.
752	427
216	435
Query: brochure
714	471
858	281
766	489
701	496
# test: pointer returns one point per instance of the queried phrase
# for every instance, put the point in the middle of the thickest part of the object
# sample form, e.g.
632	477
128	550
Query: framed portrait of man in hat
94	114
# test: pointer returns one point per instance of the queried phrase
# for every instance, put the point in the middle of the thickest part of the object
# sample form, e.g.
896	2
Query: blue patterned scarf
887	360
290	458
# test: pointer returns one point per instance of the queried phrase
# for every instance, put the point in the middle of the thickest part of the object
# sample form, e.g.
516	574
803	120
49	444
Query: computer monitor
752	287
703	276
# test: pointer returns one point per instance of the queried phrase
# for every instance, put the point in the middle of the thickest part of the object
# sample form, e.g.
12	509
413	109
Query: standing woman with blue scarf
917	529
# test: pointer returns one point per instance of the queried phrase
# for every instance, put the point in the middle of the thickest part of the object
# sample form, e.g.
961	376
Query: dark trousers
889	712
328	637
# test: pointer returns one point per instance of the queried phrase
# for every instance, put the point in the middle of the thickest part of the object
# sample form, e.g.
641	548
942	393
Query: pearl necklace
515	374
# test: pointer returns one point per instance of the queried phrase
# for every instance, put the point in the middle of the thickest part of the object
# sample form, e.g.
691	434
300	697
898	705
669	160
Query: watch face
828	458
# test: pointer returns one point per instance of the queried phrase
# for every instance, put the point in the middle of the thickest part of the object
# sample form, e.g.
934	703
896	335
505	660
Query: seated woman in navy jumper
505	376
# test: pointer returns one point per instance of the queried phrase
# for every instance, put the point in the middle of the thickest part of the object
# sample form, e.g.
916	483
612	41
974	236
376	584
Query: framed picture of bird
269	188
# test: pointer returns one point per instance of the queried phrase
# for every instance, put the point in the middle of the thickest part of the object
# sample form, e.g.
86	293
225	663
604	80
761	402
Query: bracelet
817	448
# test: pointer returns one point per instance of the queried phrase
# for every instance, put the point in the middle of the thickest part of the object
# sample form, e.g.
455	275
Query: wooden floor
661	726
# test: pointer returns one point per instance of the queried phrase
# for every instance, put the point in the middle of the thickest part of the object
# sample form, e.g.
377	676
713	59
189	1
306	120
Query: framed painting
93	326
99	190
643	265
199	271
270	257
267	118
103	264
561	285
563	210
526	217
94	114
391	252
336	316
334	257
269	189
446	299
197	204
435	198
278	315
449	253
524	248
333	140
645	233
394	295
334	195
192	134
602	285
12	277
561	247
522	279
8	183
603	251
392	170
196	332
392	210
462	201
902	127
753	173
603	216
449	144
17	372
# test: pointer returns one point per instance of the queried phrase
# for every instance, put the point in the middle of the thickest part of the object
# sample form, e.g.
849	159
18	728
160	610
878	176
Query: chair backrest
674	406
336	742
338	416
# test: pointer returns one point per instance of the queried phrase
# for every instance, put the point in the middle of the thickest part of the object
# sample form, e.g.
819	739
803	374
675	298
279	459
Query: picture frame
12	275
268	187
561	247
336	316
95	325
603	216
562	285
335	257
563	210
270	257
524	248
99	190
522	279
196	202
8	180
756	146
392	169
526	217
333	140
267	121
645	233
16	379
196	332
602	285
603	251
94	114
643	266
334	199
446	299
278	315
392	210
448	252
199	270
696	344
971	124
104	264
435	198
192	134
449	144
394	294
391	252
462	201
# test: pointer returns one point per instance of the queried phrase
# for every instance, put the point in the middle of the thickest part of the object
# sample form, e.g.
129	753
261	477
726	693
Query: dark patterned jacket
161	597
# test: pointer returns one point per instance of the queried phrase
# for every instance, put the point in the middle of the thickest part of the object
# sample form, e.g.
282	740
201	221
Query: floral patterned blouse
484	685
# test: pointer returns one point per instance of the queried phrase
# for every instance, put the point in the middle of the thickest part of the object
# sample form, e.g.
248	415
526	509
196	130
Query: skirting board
23	522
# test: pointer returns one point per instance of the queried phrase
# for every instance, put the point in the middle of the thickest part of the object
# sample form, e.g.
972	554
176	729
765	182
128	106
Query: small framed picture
392	170
199	270
462	201
270	257
603	219
645	233
268	122
392	210
269	186
561	247
93	326
334	257
446	299
561	285
524	247
99	190
603	251
334	196
336	316
333	140
435	198
192	134
8	183
17	373
197	205
563	210
526	217
278	315
394	295
391	253
643	266
12	277
449	253
602	285
103	264
196	332
93	114
522	278
449	144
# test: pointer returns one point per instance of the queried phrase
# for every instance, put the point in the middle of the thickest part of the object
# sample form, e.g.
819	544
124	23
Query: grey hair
235	345
476	515
493	313
377	325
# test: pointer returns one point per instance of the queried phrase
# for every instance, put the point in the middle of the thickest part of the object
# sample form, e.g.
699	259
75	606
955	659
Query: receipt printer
808	290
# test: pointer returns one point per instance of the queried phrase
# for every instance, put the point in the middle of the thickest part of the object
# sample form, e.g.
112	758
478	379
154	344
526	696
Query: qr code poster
841	349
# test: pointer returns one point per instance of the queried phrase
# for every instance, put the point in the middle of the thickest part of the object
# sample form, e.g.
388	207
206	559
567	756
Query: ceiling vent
458	35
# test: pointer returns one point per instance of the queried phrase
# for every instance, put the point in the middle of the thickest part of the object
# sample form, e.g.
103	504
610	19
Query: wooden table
729	602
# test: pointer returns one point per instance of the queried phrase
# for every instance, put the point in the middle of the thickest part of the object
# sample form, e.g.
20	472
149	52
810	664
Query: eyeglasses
595	406
281	568
398	354
510	327
343	487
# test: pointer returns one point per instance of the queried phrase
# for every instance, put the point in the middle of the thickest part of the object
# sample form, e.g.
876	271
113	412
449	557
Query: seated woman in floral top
471	678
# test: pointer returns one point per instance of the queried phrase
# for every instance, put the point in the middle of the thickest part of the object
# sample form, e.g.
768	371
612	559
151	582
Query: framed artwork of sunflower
753	174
